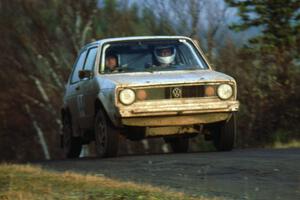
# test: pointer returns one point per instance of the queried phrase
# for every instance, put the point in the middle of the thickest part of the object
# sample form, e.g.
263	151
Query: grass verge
285	139
22	182
285	145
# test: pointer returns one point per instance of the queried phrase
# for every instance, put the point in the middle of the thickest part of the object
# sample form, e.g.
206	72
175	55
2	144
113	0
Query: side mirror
85	74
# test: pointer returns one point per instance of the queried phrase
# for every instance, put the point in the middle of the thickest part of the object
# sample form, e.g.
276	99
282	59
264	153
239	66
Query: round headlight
127	96
225	91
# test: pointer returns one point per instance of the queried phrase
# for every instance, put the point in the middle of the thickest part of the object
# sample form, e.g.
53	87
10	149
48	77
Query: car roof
117	39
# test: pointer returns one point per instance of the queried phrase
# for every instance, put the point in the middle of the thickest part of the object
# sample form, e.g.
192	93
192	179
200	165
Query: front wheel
106	136
72	145
224	134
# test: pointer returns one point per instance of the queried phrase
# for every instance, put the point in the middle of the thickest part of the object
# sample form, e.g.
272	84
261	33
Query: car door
87	92
73	91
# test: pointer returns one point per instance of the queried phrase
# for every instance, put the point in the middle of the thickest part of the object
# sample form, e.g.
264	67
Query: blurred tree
40	41
215	34
201	20
40	46
271	61
279	21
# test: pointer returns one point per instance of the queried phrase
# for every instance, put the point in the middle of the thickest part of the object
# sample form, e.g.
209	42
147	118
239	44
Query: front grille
175	92
184	92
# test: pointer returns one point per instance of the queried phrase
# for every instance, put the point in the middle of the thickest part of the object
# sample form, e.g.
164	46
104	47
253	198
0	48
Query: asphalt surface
240	174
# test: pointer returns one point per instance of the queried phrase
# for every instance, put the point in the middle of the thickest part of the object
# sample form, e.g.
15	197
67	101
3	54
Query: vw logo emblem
176	93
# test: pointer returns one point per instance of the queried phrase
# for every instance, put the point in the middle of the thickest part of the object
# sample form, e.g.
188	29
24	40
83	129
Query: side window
90	60
78	66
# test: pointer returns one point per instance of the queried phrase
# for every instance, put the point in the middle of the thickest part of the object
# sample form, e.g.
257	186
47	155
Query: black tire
224	135
106	136
72	145
178	144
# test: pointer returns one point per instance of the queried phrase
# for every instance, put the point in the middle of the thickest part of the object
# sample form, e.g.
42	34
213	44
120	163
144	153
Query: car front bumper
177	112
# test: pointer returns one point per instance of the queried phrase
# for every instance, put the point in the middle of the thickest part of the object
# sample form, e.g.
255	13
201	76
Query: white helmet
165	54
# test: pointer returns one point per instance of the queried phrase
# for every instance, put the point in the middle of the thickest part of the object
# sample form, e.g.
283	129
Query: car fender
106	98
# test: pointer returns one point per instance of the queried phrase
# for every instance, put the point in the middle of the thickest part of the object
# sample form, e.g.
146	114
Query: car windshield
150	56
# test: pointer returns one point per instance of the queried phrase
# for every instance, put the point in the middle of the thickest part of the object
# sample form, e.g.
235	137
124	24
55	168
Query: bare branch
39	132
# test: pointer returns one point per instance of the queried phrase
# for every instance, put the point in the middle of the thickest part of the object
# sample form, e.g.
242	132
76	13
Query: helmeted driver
165	55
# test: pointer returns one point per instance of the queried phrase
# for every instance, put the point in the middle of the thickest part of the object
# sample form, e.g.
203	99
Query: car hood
158	78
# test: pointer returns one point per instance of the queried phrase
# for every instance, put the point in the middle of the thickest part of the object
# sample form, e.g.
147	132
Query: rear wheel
106	136
71	145
224	134
178	144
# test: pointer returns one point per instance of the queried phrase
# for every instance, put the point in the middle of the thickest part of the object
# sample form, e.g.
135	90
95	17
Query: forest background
257	42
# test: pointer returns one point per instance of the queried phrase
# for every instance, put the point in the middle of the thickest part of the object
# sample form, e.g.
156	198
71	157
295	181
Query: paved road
240	174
